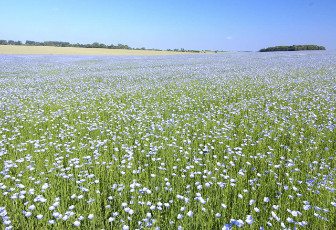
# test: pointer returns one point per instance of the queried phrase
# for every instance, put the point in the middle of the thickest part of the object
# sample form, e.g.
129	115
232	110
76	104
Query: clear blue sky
199	24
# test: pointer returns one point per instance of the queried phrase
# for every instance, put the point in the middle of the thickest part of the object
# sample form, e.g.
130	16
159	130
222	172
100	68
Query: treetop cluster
93	45
292	48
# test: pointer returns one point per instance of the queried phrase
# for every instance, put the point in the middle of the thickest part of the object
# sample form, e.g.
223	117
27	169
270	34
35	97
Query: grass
193	142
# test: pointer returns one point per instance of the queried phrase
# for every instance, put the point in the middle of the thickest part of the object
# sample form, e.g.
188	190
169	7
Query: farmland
50	50
232	141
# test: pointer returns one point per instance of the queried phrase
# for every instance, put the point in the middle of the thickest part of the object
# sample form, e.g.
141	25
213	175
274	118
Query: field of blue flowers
207	141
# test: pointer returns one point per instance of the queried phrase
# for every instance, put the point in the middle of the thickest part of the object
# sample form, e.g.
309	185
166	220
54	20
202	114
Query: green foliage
93	45
3	42
55	43
66	44
292	48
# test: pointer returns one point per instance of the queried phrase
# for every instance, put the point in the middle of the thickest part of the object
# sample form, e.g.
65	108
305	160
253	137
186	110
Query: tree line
93	45
292	48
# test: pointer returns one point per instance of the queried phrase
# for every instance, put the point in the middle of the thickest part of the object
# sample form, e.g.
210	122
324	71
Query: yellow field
9	49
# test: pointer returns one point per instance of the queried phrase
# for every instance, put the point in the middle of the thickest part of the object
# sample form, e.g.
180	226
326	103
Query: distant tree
65	44
121	46
30	43
48	43
95	45
111	46
292	48
101	45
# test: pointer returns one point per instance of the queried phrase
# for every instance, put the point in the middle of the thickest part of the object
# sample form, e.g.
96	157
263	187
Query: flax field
202	141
